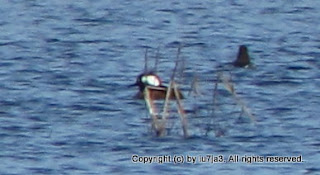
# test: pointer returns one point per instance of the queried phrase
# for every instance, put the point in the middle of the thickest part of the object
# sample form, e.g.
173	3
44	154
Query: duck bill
132	85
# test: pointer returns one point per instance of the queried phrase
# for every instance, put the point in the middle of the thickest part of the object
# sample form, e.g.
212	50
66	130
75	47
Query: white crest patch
151	80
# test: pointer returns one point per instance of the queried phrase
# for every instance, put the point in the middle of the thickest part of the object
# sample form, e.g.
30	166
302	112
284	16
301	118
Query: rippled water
65	68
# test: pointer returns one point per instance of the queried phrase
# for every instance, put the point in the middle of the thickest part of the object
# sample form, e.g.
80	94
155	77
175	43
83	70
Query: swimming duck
156	89
243	58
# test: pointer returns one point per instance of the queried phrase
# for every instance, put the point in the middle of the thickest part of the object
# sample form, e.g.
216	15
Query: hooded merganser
153	82
243	58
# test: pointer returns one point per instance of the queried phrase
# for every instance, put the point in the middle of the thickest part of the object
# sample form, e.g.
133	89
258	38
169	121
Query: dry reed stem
195	87
181	111
176	64
214	98
157	125
215	93
181	65
157	59
146	60
166	102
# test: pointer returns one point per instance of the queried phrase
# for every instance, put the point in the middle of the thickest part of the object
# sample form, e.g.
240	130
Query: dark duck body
243	58
156	89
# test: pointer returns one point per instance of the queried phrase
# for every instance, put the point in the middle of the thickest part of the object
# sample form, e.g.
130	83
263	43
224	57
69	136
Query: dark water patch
120	148
200	7
39	127
280	109
11	43
298	10
94	83
10	103
89	144
170	11
270	83
95	41
90	91
60	143
53	40
196	44
280	138
61	78
65	31
270	10
41	170
93	21
76	168
295	68
6	64
174	44
15	129
311	171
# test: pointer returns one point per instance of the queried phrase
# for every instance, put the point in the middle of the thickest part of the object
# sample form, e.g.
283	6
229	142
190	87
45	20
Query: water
65	69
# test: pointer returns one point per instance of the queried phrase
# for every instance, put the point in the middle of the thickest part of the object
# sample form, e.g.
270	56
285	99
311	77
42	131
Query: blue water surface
66	107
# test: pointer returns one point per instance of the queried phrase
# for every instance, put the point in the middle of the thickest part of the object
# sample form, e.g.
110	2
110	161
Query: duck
243	58
156	89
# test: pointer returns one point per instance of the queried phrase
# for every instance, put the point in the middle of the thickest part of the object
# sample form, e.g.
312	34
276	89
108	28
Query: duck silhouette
243	58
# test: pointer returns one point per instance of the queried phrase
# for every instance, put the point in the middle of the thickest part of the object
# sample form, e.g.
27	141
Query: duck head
147	79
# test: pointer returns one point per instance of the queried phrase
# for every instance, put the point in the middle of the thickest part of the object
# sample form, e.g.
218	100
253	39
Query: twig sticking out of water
180	63
166	102
159	124
165	110
215	92
177	95
146	60
157	59
181	110
230	88
195	87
